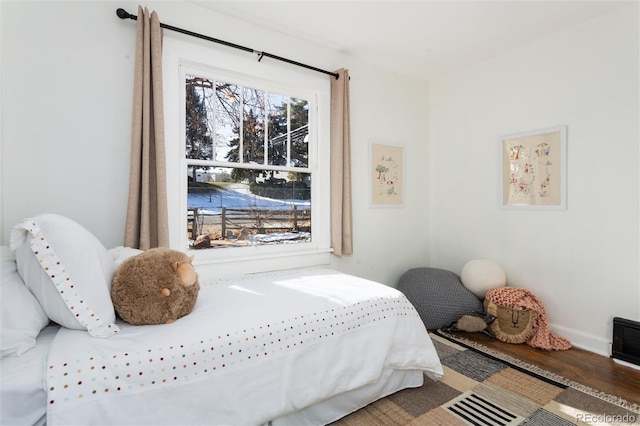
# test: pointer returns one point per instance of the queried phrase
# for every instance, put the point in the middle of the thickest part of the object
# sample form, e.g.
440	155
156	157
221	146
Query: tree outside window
248	175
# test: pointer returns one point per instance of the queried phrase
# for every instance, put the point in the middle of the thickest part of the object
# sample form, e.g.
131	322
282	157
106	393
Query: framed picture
534	169
387	175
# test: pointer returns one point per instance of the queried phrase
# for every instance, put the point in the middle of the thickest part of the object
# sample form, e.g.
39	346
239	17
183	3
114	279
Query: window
250	166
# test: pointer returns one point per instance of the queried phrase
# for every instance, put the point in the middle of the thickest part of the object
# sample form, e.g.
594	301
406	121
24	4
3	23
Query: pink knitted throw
520	298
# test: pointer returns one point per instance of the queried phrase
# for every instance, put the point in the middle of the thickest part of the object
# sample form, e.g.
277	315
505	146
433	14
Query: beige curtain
341	220
147	223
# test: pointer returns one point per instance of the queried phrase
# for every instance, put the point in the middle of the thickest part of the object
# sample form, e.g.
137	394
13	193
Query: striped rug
482	389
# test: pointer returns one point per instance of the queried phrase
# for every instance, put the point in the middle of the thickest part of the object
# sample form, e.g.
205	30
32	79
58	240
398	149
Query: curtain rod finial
123	14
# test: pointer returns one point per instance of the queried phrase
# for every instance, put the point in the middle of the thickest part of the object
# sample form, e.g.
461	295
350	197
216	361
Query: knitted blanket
520	298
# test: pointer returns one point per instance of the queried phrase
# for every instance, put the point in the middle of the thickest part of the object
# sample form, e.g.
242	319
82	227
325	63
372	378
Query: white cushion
68	270
481	275
21	315
121	253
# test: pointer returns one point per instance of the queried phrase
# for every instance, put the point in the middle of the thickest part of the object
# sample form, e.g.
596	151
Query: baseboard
588	342
626	364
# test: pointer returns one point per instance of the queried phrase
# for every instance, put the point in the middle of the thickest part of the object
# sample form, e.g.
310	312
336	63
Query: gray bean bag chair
438	295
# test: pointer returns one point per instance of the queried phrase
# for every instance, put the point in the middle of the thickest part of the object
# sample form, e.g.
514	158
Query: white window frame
231	261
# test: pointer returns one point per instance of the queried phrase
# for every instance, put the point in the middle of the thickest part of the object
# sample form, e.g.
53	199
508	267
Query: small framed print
534	169
387	175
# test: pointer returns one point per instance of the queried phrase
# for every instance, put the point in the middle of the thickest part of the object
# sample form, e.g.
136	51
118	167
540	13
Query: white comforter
254	348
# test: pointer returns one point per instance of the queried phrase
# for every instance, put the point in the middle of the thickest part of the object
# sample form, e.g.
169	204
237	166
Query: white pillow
121	253
21	316
482	275
68	270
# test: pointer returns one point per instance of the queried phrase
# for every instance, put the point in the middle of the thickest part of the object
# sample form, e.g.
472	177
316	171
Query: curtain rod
123	14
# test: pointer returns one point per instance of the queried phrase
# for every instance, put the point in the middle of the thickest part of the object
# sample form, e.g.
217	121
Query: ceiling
421	38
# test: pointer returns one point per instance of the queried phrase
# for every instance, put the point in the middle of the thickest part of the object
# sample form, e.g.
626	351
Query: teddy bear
157	286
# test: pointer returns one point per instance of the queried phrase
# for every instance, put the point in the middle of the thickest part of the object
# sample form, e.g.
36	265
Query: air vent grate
477	410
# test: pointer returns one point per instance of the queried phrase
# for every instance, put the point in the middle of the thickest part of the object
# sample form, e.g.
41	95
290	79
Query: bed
22	391
303	346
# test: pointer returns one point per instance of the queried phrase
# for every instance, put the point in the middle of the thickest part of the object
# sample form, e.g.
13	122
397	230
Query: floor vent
477	410
626	340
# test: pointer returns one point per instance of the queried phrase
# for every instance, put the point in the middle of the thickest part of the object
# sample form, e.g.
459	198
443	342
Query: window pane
235	207
278	129
199	140
299	133
253	131
227	119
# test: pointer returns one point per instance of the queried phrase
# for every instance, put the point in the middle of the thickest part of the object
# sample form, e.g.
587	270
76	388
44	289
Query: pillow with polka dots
68	270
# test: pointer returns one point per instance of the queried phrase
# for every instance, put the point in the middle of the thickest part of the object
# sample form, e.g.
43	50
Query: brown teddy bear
157	286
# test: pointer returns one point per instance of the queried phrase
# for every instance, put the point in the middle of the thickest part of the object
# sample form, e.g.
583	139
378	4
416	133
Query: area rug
482	388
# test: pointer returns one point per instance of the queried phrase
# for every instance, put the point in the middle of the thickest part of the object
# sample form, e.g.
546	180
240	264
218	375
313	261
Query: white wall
67	76
583	262
388	241
66	106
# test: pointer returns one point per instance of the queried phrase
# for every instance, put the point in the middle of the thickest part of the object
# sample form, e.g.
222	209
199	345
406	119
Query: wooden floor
596	371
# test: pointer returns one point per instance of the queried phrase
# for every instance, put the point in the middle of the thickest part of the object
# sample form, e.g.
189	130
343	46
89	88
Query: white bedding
22	394
255	348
